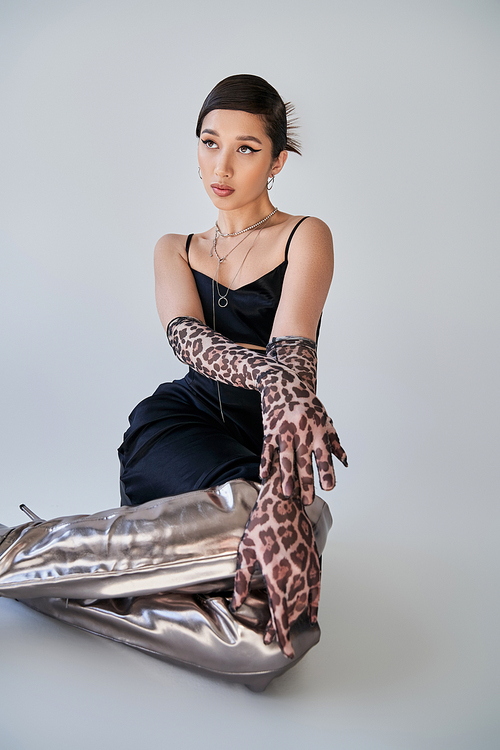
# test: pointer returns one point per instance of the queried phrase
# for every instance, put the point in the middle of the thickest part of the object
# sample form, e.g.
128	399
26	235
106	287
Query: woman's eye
247	150
209	143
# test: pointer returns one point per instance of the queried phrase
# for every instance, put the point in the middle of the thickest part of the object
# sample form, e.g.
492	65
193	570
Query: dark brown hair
255	95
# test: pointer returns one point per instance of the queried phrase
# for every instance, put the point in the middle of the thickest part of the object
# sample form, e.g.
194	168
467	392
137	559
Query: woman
241	305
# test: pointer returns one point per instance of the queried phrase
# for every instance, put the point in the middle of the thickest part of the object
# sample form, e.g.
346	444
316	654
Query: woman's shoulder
170	246
309	233
168	242
171	243
309	224
304	225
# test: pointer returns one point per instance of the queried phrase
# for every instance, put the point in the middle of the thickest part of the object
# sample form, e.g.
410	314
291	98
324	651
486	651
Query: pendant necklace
223	301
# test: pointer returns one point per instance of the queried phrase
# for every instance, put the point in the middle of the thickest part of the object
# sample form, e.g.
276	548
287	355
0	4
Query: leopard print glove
297	353
295	422
279	539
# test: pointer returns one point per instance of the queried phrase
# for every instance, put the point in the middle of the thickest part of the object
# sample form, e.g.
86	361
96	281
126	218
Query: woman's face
235	158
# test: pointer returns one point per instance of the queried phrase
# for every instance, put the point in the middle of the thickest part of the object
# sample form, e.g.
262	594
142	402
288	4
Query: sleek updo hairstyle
255	95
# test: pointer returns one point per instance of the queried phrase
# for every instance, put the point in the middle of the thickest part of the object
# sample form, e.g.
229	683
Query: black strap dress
178	440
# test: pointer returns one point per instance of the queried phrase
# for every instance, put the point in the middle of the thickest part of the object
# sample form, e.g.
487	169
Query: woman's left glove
295	422
279	539
298	354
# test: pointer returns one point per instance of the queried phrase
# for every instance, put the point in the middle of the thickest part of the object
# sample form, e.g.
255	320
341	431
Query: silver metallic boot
178	542
103	572
194	631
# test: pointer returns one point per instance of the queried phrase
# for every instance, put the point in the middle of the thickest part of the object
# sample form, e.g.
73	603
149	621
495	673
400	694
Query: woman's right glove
295	421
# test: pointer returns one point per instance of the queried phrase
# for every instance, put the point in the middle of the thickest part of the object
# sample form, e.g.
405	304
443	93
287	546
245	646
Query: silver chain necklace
221	260
223	301
218	233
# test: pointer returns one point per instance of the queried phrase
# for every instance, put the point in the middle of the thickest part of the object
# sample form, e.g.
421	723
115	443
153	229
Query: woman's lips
221	190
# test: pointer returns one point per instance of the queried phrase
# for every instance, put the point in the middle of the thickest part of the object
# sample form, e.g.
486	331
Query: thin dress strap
287	248
188	242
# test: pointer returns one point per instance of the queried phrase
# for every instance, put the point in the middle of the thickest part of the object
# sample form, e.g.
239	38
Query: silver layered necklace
223	301
218	234
222	296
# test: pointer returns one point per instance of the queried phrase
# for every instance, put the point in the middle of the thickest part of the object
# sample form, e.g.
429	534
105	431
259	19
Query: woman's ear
279	163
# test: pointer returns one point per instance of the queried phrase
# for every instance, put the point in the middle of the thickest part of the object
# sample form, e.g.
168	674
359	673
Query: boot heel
30	513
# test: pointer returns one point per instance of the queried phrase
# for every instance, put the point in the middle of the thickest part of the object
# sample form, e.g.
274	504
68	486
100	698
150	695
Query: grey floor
398	104
408	659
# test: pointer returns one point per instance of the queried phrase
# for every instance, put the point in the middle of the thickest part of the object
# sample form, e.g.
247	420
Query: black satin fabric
249	315
178	440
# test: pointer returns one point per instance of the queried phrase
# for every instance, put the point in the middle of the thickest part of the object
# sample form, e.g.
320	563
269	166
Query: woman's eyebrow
238	138
248	138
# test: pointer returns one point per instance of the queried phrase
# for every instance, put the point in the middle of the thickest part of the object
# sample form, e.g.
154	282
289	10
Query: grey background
399	112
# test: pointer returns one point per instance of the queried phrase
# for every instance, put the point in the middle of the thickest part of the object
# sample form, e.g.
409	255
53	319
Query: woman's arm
307	280
295	422
175	287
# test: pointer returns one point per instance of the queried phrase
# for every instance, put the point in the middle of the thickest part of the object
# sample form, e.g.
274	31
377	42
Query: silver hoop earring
199	173
270	182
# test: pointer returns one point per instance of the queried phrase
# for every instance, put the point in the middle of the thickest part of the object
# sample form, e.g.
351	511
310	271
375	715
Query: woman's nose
223	167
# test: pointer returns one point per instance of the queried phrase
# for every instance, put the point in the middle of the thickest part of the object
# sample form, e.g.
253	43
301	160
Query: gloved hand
279	538
295	422
299	355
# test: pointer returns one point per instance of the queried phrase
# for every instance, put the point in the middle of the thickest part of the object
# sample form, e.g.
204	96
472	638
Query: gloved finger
287	468
267	457
241	587
314	584
283	635
270	632
314	603
273	601
306	482
304	473
279	628
278	609
324	463
336	448
245	567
